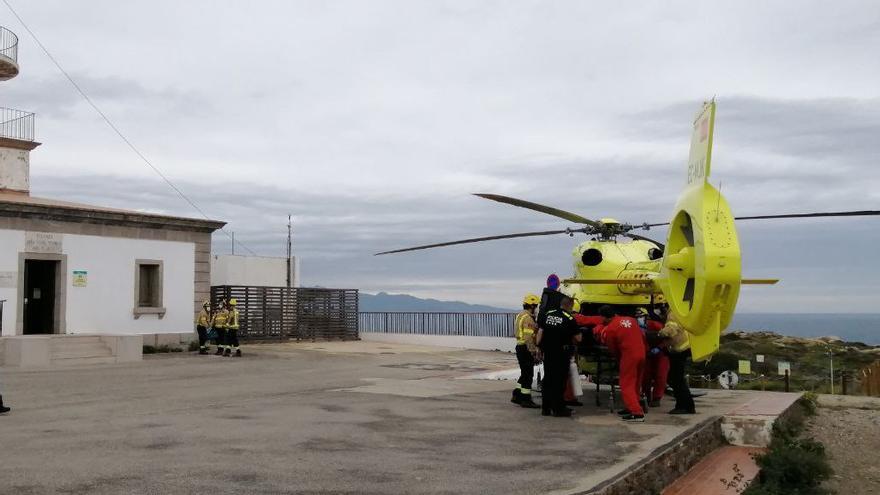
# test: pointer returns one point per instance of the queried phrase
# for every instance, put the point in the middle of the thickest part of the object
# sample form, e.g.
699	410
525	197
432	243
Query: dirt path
850	431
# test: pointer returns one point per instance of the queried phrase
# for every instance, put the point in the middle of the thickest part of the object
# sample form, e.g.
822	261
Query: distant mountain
406	303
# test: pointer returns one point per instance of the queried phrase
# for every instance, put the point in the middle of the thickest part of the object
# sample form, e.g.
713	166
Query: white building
254	271
68	268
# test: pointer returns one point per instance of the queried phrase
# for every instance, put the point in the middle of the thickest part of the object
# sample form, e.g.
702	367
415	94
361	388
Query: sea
851	327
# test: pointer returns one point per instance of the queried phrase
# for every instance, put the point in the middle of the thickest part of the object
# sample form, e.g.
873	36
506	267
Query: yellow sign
745	367
80	278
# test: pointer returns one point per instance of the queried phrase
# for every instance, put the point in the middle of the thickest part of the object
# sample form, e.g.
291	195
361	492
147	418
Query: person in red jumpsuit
624	339
657	362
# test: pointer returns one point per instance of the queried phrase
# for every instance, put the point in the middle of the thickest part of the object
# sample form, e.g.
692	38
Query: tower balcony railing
8	44
16	124
8	54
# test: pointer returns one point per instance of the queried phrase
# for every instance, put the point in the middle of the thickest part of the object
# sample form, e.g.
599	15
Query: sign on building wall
8	280
80	278
745	367
43	242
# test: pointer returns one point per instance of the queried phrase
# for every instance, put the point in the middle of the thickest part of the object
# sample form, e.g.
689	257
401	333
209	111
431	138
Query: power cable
113	126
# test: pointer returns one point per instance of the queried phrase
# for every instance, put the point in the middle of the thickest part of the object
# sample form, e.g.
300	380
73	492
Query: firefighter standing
625	340
203	321
556	338
525	328
679	352
232	330
220	318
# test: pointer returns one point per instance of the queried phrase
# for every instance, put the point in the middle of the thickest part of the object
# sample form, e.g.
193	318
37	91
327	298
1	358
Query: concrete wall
14	169
506	344
252	270
105	305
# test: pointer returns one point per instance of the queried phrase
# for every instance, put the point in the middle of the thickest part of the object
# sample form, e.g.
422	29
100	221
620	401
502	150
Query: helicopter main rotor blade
859	213
481	239
556	212
643	238
854	213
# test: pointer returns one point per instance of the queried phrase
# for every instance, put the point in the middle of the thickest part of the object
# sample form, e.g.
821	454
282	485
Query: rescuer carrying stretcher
526	351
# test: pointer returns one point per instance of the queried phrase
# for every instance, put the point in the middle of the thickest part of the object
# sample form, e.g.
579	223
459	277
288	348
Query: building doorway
39	301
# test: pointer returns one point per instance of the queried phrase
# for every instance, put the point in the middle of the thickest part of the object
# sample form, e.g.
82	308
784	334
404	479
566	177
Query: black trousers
556	369
678	382
526	366
203	336
221	336
232	338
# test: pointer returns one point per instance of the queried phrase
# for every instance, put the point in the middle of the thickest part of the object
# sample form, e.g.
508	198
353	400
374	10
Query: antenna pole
233	243
289	248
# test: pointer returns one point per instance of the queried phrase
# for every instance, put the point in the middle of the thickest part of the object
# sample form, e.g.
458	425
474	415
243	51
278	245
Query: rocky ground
848	427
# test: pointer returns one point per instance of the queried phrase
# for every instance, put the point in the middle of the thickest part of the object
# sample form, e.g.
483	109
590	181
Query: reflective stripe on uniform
521	331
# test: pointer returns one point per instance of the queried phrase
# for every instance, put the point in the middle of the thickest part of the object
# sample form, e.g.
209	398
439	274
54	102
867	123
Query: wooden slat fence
282	313
870	378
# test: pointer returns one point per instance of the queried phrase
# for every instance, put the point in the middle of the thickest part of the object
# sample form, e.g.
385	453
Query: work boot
623	412
3	409
203	351
219	351
227	352
575	402
238	353
654	403
633	418
681	411
562	413
527	402
516	398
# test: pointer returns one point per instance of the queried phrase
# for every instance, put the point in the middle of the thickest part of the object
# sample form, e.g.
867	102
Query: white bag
537	376
575	379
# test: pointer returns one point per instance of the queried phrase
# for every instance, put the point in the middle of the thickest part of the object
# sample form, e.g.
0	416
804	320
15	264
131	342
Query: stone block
27	351
129	348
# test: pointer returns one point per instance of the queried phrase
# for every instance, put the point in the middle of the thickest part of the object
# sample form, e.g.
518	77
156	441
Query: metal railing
459	324
8	44
16	124
281	313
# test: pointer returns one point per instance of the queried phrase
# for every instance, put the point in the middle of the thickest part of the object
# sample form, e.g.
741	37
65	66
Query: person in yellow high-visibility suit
525	329
220	318
203	321
232	330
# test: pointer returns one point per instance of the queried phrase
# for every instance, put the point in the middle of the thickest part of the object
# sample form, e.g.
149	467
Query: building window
148	288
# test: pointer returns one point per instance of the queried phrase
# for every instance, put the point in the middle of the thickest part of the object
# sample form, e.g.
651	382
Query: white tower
16	127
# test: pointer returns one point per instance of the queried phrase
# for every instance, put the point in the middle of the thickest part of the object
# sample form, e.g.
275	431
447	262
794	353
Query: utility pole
233	243
289	248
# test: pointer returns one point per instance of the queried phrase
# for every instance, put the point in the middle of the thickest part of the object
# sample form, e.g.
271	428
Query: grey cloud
335	235
53	97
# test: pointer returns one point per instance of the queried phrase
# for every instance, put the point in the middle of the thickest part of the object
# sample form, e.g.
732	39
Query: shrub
792	465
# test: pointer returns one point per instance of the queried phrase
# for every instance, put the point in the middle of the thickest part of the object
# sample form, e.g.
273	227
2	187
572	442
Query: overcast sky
371	123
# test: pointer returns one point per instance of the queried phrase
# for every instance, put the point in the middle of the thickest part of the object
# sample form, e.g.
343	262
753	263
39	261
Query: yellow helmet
576	306
531	300
206	304
233	302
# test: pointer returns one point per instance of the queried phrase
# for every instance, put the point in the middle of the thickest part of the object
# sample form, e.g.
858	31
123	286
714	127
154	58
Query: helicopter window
591	257
655	254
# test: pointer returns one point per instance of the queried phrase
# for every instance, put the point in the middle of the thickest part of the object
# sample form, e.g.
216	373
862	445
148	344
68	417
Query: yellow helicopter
697	272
